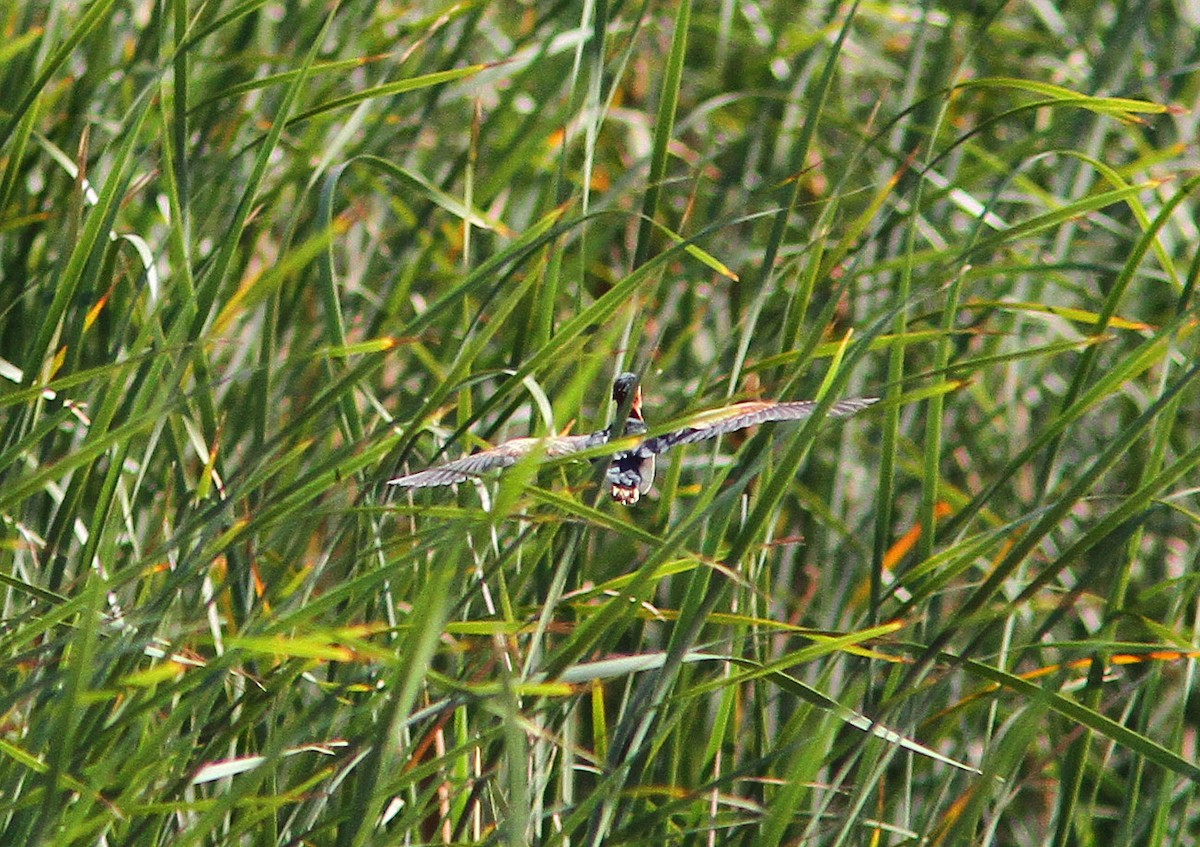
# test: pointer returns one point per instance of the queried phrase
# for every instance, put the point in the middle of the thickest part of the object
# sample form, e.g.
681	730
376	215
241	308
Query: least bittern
630	471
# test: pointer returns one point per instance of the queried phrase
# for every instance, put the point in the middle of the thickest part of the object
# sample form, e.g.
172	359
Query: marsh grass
257	258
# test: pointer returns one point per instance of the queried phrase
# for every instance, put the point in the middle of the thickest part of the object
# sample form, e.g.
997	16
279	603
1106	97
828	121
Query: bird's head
622	386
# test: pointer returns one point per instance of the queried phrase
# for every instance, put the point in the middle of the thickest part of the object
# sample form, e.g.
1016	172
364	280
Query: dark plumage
630	472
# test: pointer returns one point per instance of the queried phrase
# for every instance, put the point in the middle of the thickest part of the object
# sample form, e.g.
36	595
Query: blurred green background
259	257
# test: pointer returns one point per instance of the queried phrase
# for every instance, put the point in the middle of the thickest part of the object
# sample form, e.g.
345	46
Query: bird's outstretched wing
716	422
501	456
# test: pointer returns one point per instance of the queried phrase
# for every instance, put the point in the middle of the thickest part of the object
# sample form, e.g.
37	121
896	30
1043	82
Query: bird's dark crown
622	385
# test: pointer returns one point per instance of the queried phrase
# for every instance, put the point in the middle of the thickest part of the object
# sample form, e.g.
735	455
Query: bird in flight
630	471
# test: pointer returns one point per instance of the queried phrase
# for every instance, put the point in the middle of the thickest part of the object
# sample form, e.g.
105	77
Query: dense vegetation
257	257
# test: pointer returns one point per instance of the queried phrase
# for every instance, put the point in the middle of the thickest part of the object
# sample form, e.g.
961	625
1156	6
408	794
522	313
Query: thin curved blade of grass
240	10
70	168
359	348
933	575
854	230
1118	107
1112	299
447	202
821	647
29	442
327	646
213	771
617	584
1147	653
1113	296
696	252
386	90
271	80
30	762
623	666
816	97
974	364
1139	212
858	720
826	349
931	450
568	507
1077	713
1055	218
67	710
1081	316
34	591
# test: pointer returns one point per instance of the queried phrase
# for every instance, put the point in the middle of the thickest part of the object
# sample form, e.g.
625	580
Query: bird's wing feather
716	422
501	456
